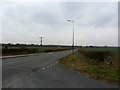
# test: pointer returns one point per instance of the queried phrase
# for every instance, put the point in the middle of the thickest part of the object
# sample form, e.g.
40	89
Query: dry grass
97	70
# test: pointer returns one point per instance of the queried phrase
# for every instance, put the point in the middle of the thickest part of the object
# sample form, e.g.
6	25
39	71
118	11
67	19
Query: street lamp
73	34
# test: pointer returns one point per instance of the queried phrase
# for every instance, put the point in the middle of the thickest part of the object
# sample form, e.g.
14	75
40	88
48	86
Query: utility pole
41	41
40	50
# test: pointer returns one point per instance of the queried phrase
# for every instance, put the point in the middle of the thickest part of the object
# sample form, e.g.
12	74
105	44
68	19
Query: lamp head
68	20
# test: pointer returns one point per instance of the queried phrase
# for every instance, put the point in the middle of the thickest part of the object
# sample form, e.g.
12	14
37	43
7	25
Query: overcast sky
95	23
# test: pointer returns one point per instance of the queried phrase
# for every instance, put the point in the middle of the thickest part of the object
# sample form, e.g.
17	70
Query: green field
97	63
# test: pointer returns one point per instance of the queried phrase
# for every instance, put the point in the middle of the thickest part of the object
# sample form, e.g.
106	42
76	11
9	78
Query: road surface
43	71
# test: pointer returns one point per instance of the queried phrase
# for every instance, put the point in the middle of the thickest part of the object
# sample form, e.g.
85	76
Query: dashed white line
11	84
31	74
43	68
53	64
50	53
49	66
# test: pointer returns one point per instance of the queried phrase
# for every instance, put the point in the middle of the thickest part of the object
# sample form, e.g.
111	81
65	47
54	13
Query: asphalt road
43	71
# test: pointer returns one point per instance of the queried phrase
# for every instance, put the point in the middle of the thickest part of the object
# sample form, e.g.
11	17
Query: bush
99	56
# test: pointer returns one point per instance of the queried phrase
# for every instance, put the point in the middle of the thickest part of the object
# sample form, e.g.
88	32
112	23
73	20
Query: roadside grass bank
20	51
97	63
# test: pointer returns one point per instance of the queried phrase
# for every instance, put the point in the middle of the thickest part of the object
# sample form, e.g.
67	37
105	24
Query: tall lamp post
73	34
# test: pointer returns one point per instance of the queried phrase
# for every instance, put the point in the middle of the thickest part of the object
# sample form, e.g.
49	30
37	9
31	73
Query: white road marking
48	66
50	53
51	65
43	68
11	84
31	74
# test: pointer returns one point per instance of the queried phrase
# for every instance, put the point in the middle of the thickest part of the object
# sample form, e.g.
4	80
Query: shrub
99	56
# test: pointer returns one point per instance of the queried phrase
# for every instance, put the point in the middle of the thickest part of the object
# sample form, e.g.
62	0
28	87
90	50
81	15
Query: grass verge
100	70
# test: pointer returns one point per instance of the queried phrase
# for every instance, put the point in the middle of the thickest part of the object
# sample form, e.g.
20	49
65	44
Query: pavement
44	71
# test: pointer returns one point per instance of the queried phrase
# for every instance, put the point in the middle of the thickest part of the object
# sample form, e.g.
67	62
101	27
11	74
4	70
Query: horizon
59	45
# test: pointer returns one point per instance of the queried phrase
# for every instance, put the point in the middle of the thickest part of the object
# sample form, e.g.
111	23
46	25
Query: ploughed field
19	51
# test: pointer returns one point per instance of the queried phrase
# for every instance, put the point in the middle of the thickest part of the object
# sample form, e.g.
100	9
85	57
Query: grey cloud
45	18
79	11
102	14
50	19
105	21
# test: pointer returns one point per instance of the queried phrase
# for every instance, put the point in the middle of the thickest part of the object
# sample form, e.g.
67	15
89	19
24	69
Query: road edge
15	56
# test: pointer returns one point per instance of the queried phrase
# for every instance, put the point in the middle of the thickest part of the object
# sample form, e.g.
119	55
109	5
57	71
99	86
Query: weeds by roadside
87	63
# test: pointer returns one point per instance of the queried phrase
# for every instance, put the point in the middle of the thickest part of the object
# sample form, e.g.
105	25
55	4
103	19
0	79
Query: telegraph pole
40	50
41	41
